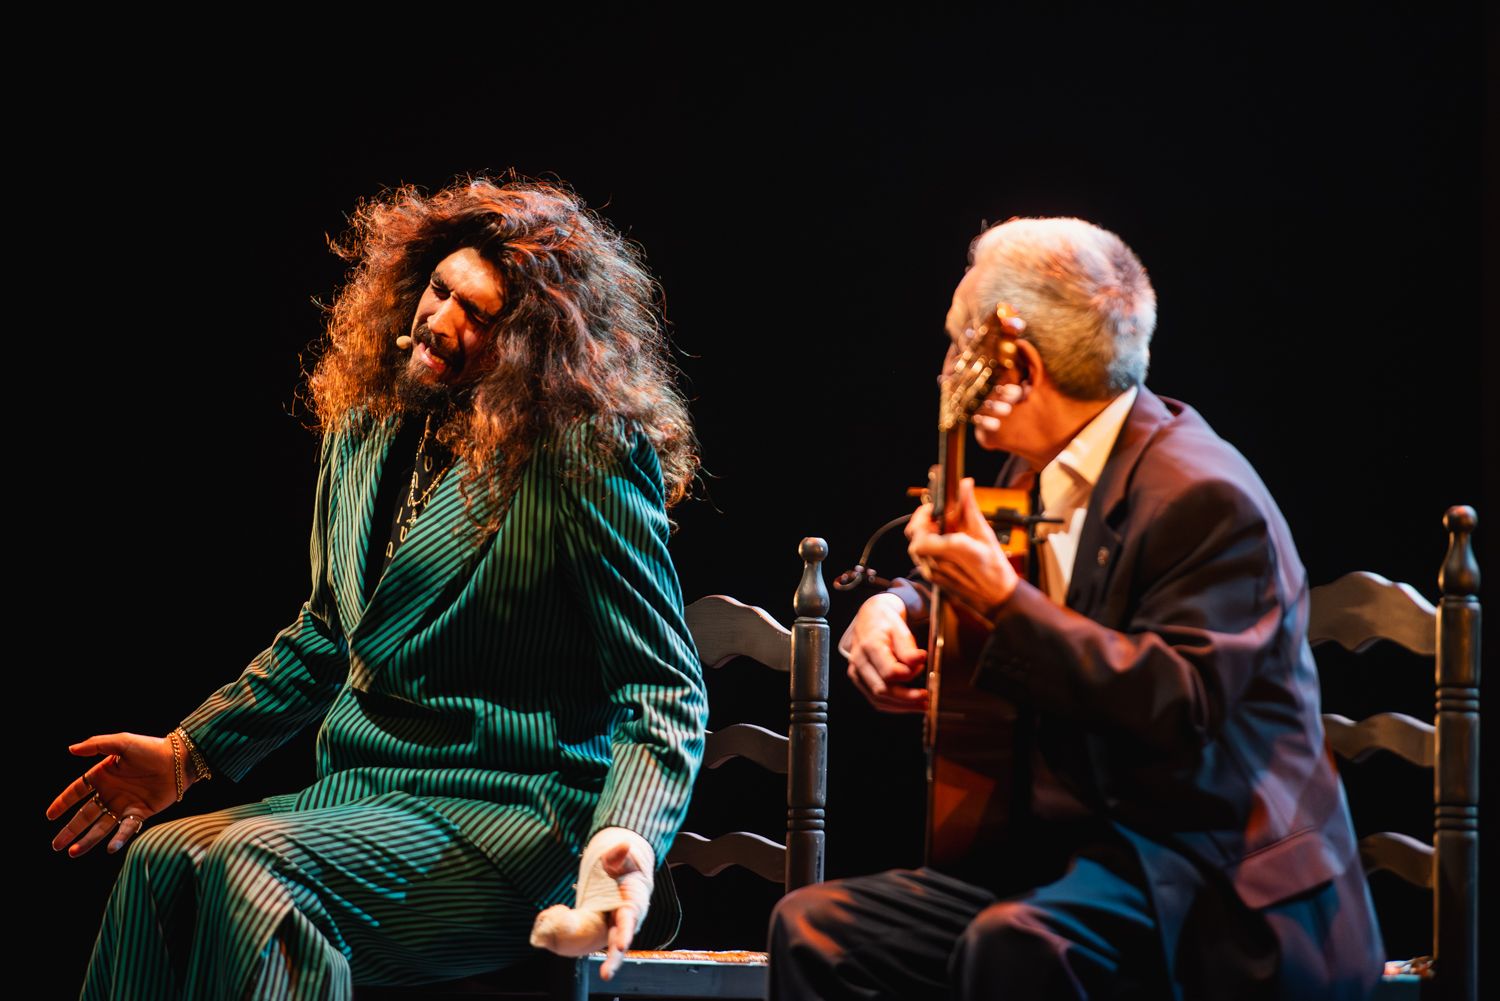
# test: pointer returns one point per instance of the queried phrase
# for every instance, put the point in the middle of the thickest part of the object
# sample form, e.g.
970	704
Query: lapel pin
1103	555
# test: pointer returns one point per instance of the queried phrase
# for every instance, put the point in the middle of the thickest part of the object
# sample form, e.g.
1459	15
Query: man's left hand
615	879
968	563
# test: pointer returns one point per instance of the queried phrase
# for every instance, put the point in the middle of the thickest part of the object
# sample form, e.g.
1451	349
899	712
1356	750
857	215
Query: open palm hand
136	779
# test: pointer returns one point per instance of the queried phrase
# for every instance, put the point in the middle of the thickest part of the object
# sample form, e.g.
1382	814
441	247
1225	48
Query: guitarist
1184	834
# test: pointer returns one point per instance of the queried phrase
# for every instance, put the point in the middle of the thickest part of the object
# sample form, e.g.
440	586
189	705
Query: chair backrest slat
1402	735
746	740
761	856
724	629
1360	608
1400	854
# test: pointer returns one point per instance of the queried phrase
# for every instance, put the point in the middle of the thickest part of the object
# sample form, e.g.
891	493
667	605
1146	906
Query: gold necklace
424	463
414	505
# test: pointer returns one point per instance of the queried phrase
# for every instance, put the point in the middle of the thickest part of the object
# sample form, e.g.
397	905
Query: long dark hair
579	338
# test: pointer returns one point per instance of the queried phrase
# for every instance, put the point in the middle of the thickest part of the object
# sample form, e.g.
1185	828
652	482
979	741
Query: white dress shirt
1067	483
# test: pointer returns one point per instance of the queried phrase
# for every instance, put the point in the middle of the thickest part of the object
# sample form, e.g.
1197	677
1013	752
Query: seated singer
494	645
1181	833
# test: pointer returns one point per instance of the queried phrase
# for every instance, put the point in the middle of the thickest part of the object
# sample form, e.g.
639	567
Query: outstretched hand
136	780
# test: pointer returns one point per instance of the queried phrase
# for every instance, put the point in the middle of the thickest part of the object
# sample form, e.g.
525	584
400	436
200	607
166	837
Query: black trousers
919	934
1088	929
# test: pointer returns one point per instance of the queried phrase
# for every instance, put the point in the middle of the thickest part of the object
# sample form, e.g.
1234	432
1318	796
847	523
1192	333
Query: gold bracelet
176	763
200	767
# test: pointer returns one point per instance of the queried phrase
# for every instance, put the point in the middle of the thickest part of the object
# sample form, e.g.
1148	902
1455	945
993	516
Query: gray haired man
1184	834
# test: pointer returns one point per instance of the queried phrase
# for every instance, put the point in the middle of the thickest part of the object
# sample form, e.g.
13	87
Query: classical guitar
970	735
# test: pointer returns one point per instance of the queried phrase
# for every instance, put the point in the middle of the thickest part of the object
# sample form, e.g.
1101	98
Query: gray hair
1087	302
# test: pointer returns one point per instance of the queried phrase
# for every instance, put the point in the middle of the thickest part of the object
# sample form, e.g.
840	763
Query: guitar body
972	761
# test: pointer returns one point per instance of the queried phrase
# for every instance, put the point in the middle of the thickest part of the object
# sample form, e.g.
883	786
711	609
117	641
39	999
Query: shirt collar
1082	459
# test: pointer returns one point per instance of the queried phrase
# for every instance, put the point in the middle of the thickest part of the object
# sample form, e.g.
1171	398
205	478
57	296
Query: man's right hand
136	779
884	656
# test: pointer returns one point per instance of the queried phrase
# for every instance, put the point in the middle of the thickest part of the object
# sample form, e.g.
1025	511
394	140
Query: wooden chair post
1355	611
807	791
1455	897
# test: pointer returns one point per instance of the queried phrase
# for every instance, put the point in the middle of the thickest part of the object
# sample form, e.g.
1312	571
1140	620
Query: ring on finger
121	835
100	803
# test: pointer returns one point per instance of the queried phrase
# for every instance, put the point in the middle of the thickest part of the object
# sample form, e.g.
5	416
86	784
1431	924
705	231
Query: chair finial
812	595
1460	574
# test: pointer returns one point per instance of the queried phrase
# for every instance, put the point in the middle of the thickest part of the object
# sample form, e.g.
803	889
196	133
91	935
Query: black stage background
1306	192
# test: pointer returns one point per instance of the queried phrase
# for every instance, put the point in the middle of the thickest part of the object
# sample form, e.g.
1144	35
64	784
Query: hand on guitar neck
967	563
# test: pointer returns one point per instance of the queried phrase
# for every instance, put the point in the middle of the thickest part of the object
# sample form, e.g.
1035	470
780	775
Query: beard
417	392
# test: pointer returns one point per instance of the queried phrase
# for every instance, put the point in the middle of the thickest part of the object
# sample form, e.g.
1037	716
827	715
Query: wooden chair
723	629
1355	611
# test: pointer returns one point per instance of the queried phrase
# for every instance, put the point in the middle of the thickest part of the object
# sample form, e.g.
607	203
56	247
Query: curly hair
579	339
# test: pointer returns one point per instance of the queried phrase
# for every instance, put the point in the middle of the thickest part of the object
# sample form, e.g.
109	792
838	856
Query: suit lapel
440	547
361	462
1099	540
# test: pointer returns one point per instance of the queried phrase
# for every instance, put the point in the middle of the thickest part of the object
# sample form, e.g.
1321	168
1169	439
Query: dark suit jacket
1177	692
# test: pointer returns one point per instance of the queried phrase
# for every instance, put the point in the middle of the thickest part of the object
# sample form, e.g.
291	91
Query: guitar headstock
987	359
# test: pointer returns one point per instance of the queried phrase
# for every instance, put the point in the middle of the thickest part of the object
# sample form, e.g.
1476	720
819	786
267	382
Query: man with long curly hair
494	643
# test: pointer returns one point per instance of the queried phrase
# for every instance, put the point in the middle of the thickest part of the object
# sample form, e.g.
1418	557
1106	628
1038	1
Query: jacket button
1103	555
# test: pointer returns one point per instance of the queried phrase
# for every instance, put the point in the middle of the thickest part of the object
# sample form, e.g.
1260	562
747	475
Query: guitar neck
950	470
944	491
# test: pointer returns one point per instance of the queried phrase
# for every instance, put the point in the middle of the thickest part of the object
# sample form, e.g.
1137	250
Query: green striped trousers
265	901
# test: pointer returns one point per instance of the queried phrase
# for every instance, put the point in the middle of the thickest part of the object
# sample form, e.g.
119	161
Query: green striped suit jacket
533	684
